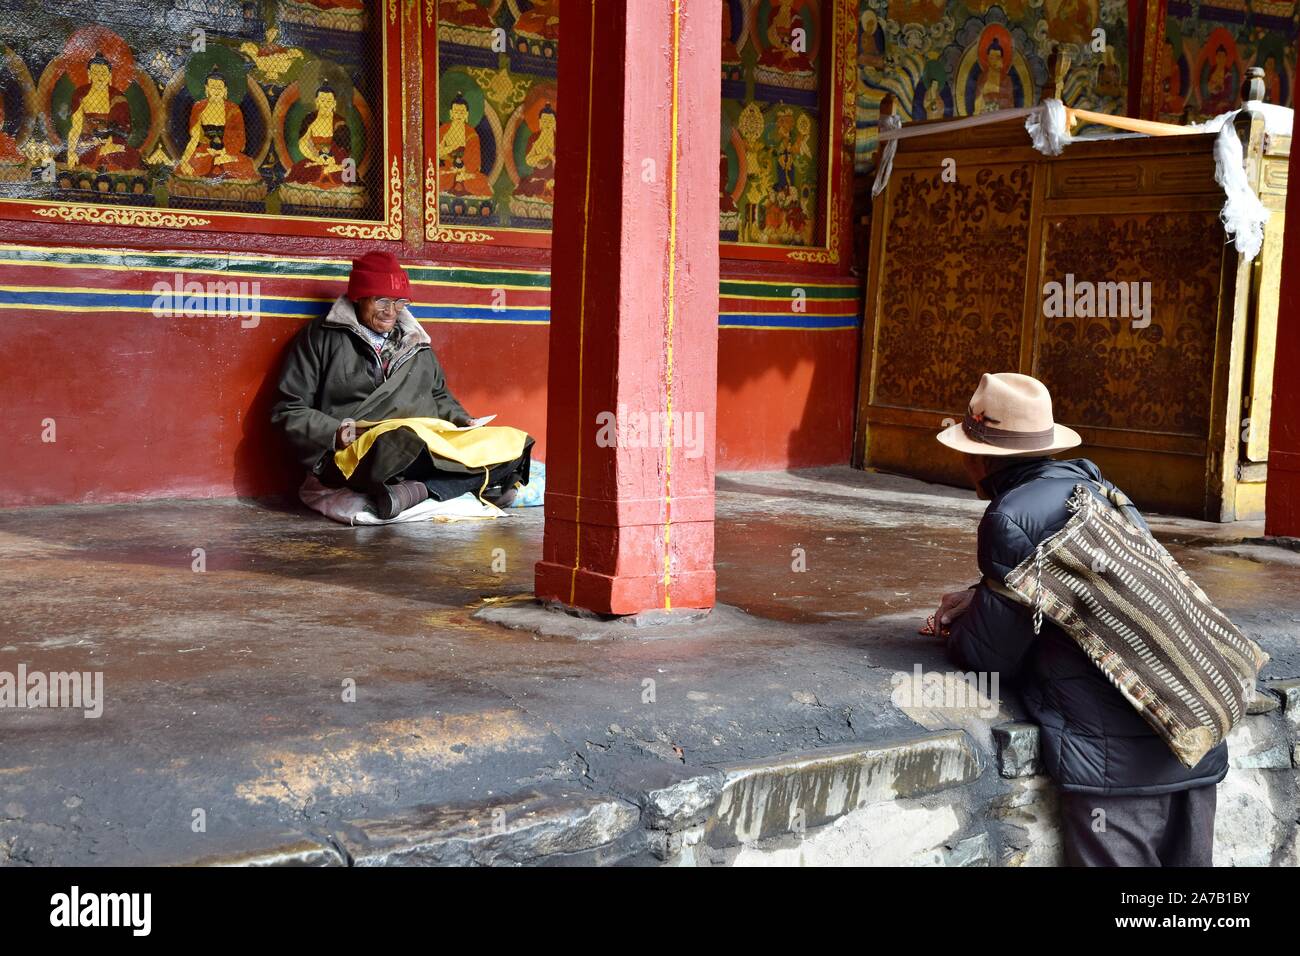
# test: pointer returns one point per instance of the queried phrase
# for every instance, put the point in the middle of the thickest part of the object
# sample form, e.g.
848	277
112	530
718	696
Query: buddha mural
273	63
98	137
464	13
1172	74
540	21
467	23
460	155
787	51
325	144
995	90
540	183
215	149
1273	81
871	41
1220	80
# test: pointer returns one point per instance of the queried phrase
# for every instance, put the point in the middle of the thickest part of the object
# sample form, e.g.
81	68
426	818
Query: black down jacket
1093	741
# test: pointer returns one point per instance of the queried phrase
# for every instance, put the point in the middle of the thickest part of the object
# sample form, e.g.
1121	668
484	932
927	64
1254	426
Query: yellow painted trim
672	297
481	322
91	266
100	290
582	305
782	298
186	313
788	328
477	305
252	256
820	315
481	285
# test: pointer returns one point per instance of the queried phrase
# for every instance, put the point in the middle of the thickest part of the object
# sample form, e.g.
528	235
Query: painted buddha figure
323	144
995	90
1171	80
781	53
1272	81
216	145
541	20
460	156
540	183
101	123
1221	91
871	42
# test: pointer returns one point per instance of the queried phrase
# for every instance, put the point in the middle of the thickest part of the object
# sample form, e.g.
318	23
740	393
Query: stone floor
230	634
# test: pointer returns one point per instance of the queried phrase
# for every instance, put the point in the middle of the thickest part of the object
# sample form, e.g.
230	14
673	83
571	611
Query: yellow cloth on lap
479	447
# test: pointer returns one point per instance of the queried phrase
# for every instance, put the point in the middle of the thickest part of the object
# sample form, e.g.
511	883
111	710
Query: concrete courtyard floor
226	727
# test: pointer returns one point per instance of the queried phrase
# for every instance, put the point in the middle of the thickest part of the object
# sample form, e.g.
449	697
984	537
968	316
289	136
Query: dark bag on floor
1112	587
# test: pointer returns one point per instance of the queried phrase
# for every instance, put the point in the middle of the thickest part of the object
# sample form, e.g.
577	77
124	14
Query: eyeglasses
386	305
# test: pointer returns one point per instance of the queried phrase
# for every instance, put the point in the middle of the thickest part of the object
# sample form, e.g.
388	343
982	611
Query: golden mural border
391	227
114	216
1153	38
224	221
434	230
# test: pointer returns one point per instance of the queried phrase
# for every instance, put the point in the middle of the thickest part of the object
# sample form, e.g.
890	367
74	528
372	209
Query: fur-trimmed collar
343	315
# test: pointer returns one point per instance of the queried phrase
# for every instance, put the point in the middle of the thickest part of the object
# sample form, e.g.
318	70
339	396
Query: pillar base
610	594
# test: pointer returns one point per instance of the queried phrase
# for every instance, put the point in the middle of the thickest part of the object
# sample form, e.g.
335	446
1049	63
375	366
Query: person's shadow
264	466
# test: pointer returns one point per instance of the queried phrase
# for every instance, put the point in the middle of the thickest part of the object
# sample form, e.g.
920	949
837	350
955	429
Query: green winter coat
332	373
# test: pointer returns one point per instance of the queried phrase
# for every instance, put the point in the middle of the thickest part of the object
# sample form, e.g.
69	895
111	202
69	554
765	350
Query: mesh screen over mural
270	108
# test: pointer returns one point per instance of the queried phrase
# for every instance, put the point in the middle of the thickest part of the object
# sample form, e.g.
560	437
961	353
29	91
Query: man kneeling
368	360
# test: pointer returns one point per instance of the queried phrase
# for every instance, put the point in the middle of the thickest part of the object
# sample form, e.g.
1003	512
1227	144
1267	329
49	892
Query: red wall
148	407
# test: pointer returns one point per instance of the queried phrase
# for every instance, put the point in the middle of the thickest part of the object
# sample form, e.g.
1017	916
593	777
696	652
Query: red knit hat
378	274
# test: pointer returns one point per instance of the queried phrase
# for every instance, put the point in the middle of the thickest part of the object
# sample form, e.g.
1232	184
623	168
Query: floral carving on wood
952	287
1104	372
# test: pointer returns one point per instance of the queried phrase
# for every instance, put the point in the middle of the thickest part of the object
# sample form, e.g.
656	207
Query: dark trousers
402	454
1169	829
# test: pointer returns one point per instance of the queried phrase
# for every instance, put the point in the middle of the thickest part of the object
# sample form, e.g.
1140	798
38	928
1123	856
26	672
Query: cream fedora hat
1009	415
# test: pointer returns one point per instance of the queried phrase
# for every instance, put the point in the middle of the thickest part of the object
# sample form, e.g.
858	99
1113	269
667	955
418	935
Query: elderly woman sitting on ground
367	366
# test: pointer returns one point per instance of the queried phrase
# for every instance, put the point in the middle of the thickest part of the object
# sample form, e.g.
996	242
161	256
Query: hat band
986	434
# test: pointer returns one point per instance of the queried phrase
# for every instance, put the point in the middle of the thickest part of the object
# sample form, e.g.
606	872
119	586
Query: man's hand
347	433
461	419
953	606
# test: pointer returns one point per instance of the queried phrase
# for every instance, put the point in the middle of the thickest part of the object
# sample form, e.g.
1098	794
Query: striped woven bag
1112	587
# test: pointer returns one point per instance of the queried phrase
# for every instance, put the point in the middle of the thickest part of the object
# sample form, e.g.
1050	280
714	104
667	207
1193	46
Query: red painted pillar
632	384
1282	504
